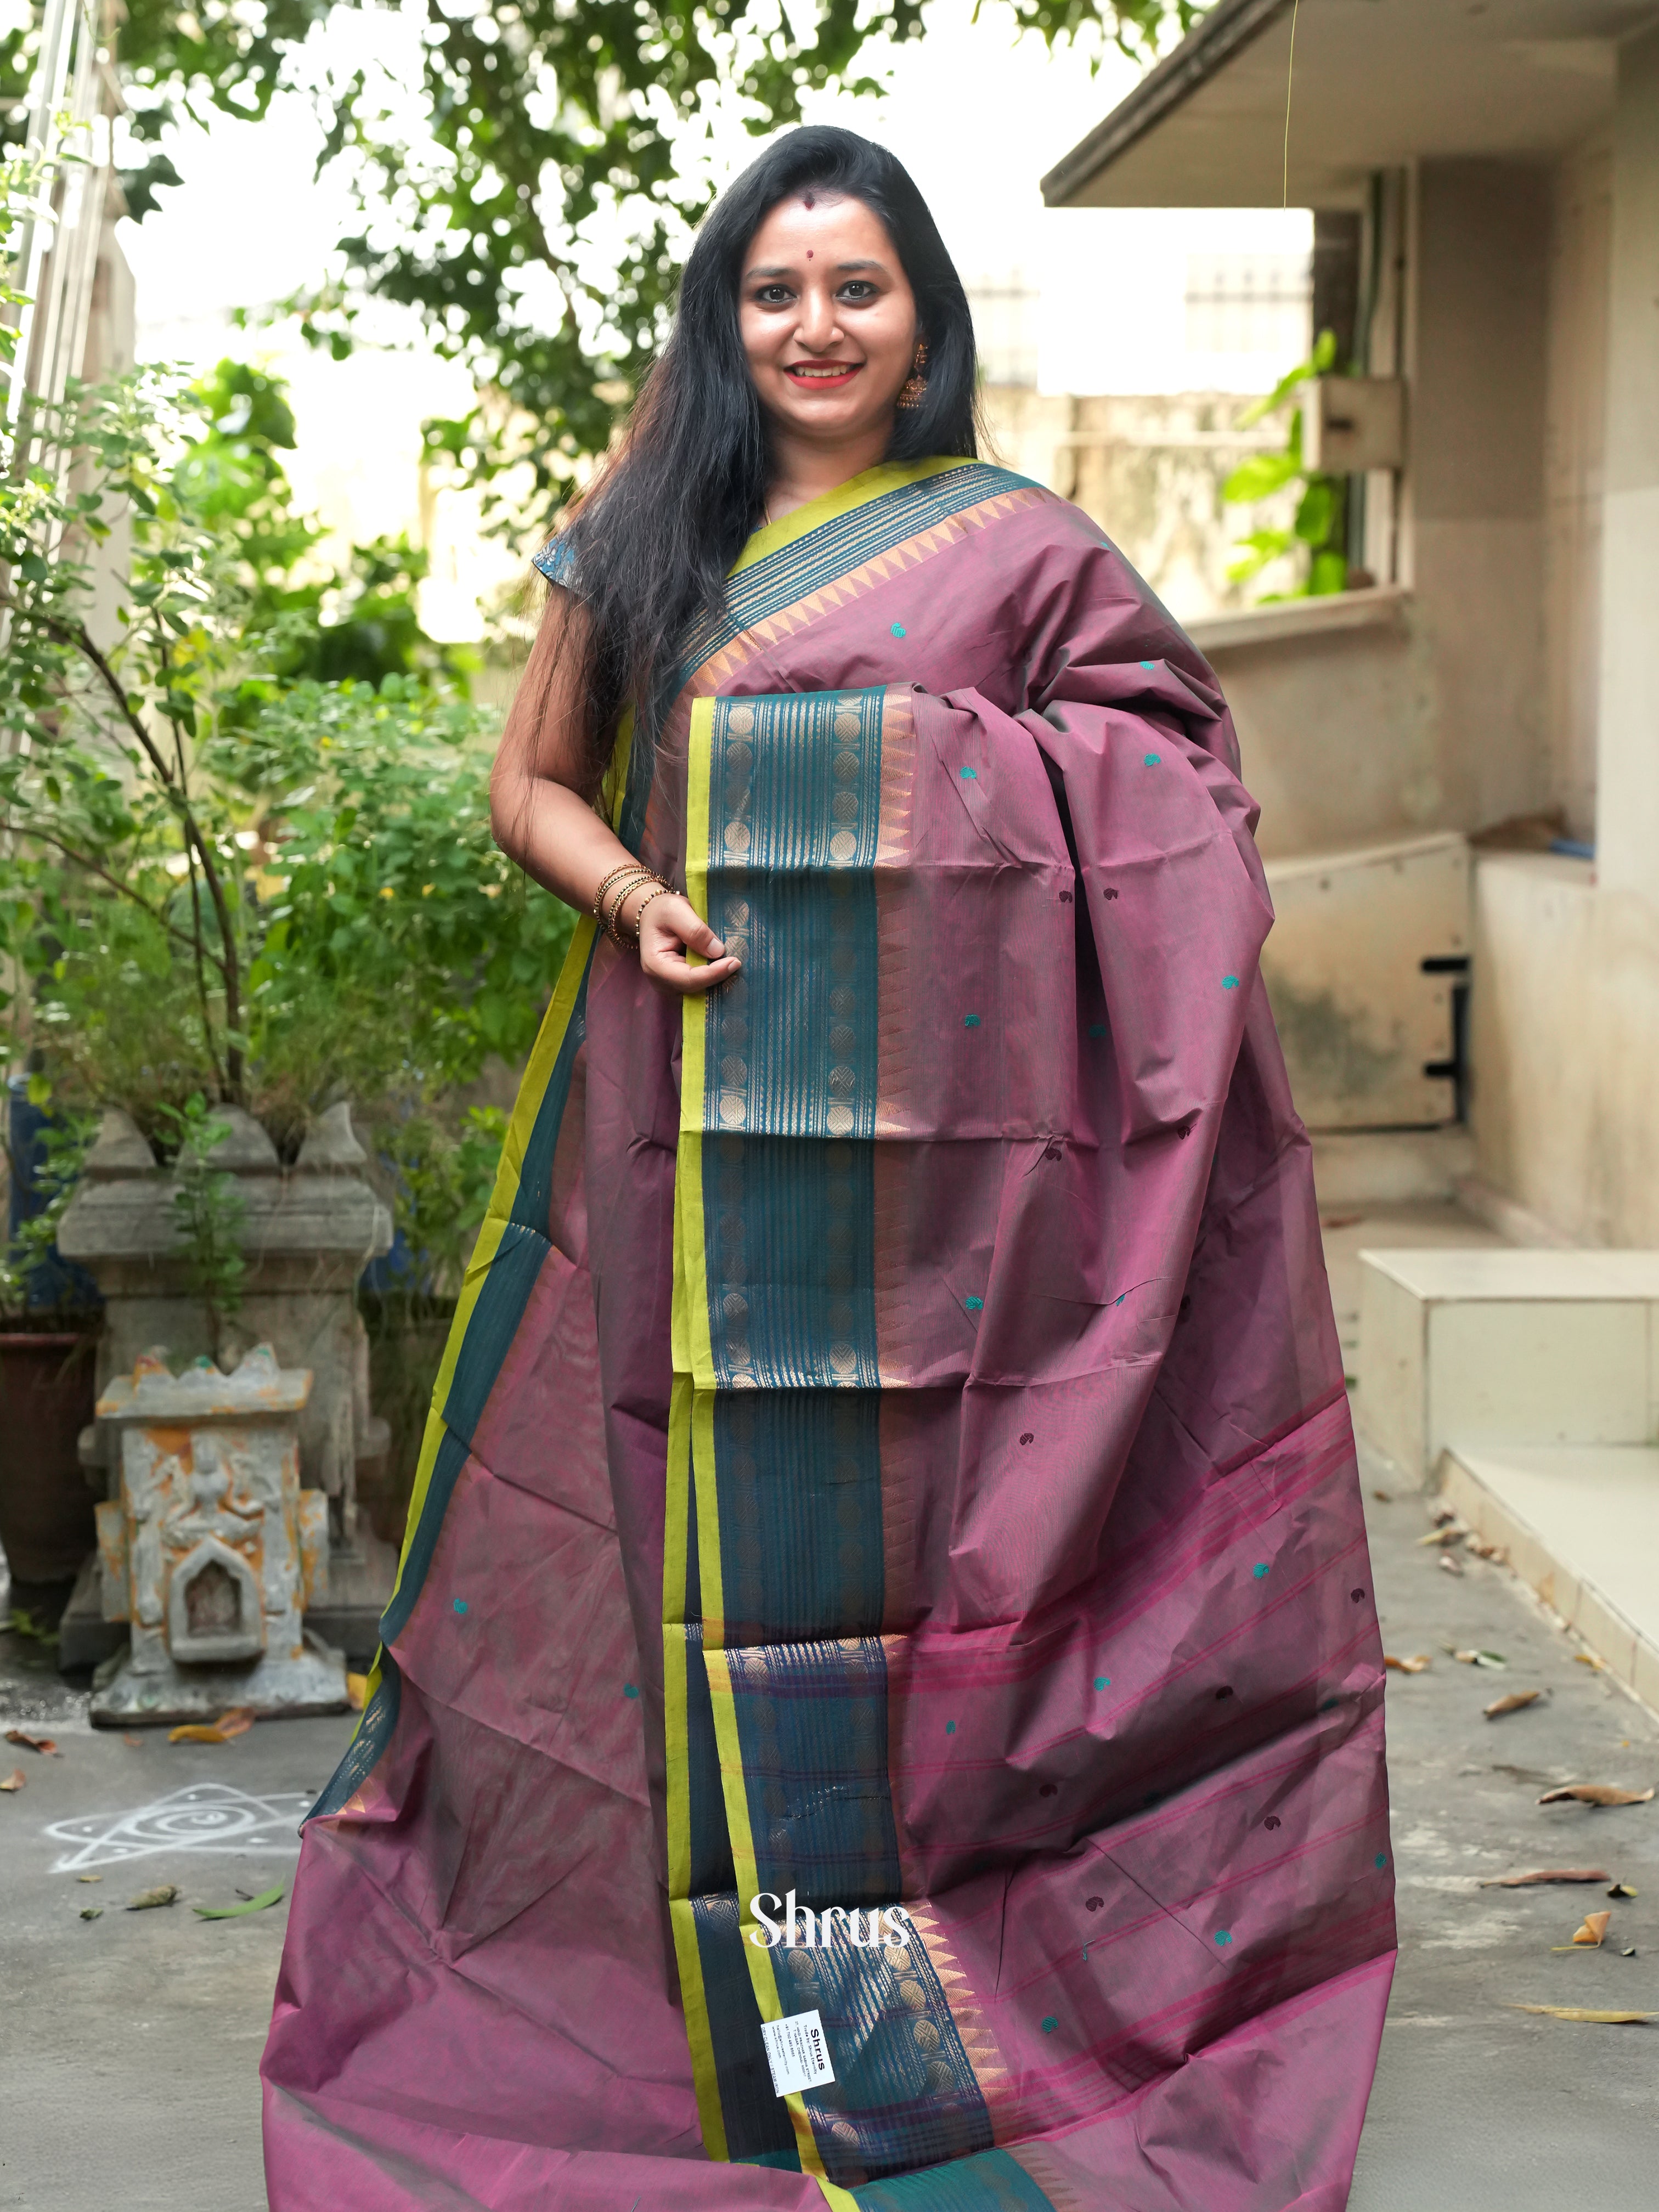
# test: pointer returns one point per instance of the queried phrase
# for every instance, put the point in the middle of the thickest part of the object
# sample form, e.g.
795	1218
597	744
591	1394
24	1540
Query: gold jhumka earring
914	391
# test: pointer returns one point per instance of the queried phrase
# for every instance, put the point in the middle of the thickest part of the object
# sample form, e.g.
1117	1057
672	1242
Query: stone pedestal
210	1550
308	1232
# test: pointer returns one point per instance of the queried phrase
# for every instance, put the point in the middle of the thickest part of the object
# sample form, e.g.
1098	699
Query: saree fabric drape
892	1449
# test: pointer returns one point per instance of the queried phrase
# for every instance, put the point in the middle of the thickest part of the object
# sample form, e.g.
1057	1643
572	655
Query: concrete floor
128	2044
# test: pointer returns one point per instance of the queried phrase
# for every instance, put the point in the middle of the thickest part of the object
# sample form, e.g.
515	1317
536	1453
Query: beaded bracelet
613	925
626	869
626	881
663	890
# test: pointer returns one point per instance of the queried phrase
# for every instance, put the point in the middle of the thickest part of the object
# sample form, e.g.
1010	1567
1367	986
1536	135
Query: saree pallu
891	1456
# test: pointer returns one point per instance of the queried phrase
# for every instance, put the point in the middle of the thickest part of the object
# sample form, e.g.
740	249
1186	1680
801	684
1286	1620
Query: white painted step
1506	1347
1581	1524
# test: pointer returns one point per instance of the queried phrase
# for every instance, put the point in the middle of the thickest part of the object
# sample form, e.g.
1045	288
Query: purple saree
892	1449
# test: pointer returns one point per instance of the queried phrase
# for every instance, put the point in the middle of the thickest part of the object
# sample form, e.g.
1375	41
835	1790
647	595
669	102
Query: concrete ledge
1581	1526
1384	604
1497	1346
1389	1167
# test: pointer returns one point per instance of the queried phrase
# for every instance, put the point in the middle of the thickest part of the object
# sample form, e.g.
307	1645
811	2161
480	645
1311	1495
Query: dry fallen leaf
92	1913
1621	1889
356	1691
1417	1664
163	1893
1594	1927
1477	1658
15	1780
1589	1659
1545	1873
1584	2012
1383	1497
133	1742
1595	1793
88	1877
196	1732
33	1742
1488	1552
1440	1514
1452	1532
237	1721
1449	1565
1517	1701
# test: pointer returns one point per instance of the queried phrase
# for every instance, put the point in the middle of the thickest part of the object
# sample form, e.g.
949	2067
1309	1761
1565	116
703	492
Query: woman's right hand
670	929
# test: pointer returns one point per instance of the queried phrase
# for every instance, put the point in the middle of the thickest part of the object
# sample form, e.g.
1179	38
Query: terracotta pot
46	1522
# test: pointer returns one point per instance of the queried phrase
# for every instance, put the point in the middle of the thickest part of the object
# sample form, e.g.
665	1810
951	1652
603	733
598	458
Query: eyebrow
787	269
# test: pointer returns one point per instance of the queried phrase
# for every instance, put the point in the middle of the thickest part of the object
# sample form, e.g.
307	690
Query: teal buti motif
950	1727
1230	982
969	774
1103	1681
1381	1860
1149	664
1051	2023
898	629
630	1689
1260	1569
1097	1029
1151	760
1224	1937
460	1604
970	1021
974	1305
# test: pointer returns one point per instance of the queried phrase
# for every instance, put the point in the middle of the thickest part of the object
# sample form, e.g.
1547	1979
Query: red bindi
809	253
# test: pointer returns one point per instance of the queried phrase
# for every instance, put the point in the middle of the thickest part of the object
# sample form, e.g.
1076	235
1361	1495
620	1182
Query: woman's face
828	319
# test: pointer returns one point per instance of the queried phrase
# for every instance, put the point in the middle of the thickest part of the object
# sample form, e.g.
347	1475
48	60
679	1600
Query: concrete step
1506	1347
1580	1523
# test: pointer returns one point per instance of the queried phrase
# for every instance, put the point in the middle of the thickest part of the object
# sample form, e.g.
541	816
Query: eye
773	296
857	291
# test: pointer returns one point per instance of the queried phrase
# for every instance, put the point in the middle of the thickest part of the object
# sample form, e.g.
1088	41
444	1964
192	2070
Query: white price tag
797	2052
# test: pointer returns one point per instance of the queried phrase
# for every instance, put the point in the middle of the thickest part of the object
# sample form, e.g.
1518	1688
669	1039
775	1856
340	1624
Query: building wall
1576	407
1628	834
1565	1016
1473	545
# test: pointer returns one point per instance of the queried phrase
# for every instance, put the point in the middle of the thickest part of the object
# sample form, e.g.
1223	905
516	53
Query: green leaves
1319	522
266	1898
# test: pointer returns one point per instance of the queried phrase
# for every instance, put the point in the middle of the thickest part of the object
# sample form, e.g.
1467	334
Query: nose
818	326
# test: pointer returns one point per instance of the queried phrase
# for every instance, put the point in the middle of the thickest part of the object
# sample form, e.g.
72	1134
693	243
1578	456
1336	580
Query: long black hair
650	546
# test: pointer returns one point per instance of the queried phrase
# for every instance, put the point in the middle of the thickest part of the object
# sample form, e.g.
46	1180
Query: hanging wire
1290	79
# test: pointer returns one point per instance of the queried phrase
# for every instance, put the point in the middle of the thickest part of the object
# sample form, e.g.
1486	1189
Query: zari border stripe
689	1295
830	506
761	1972
687	1951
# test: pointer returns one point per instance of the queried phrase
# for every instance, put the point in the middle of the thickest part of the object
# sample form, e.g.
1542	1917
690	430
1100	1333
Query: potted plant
48	1324
225	879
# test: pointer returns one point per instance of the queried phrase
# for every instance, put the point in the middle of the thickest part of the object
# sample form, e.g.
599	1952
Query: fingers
671	930
675	973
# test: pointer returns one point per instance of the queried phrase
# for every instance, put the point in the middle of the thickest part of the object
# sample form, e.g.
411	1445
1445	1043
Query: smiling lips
823	375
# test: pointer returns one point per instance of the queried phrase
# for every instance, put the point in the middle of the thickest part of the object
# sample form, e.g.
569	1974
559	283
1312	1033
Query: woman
882	1705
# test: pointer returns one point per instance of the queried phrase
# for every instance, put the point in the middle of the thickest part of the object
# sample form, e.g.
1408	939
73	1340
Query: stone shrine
211	1551
308	1233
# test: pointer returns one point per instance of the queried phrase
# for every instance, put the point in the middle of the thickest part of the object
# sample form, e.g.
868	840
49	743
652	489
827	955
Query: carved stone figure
211	1551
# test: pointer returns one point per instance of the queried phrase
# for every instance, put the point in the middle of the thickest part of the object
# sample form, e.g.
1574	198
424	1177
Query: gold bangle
627	868
663	890
628	880
614	925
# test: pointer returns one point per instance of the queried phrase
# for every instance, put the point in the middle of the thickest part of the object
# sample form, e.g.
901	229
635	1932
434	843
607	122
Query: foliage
34	1280
221	880
507	140
209	1211
1321	519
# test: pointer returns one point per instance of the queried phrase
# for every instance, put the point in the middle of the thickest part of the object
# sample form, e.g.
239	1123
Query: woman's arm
541	820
